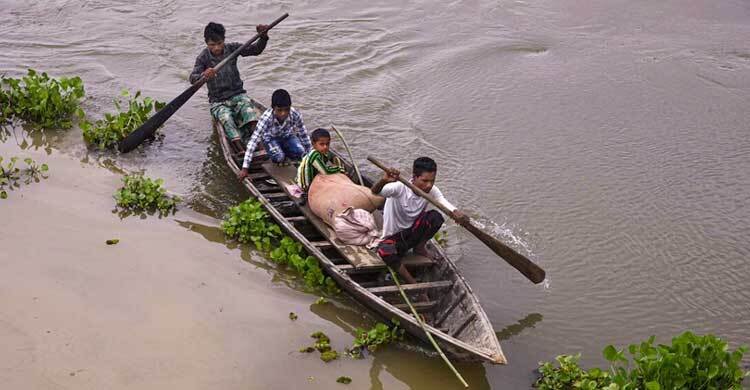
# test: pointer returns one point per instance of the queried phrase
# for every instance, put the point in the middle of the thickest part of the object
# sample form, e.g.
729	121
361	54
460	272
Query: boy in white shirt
406	222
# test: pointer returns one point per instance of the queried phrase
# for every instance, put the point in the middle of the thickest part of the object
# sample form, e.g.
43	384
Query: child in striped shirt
318	160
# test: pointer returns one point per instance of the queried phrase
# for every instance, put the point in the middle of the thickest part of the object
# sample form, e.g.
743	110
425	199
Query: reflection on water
28	137
404	361
215	188
511	330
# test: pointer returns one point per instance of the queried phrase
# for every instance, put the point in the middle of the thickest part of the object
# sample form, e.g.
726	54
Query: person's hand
243	174
209	73
262	29
390	175
460	218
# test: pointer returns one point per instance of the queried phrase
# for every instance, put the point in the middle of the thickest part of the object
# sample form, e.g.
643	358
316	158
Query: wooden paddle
148	128
532	271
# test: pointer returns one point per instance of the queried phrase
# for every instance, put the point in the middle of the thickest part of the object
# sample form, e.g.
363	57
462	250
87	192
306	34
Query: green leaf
653	385
112	241
610	353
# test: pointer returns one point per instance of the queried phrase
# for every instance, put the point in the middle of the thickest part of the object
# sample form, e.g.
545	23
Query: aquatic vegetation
441	238
292	316
344	379
113	241
108	132
327	356
249	222
41	100
141	194
323	345
11	175
374	338
690	362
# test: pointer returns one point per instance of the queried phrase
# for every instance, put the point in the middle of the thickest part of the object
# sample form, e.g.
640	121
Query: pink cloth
356	227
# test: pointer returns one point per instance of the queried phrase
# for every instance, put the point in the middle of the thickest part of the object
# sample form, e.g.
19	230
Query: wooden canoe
454	316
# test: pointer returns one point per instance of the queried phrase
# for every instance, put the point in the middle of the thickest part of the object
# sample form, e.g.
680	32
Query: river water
608	140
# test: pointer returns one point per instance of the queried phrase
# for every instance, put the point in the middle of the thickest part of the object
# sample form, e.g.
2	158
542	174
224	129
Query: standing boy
406	223
229	103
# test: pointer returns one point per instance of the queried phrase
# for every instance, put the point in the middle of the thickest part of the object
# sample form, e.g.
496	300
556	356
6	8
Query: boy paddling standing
229	103
406	222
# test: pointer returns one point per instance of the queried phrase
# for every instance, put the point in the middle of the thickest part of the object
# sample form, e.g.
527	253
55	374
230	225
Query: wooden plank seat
439	285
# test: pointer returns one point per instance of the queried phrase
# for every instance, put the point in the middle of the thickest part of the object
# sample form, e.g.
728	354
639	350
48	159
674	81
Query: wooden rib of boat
453	313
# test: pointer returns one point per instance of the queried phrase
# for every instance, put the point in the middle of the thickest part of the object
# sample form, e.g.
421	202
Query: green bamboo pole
424	328
351	157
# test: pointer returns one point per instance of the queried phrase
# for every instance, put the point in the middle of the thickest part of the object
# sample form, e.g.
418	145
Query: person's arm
260	130
299	126
389	176
456	214
322	167
257	47
198	68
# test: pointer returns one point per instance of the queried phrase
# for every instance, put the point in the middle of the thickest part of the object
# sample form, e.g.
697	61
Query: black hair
319	133
281	98
422	165
214	32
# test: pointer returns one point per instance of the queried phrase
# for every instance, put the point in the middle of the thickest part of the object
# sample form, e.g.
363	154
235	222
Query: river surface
609	140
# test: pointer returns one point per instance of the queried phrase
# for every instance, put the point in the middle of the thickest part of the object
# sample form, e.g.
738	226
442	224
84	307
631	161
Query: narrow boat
454	316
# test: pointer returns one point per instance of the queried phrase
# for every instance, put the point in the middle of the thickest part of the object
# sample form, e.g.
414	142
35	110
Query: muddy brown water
608	140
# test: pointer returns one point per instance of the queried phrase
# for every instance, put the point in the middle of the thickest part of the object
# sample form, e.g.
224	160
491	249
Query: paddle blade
532	271
149	127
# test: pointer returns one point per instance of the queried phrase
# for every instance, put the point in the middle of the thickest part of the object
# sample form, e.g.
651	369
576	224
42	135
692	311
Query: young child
406	222
229	103
318	160
282	132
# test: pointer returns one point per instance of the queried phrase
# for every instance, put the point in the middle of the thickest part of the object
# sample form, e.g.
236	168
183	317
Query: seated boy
318	160
406	223
282	132
229	103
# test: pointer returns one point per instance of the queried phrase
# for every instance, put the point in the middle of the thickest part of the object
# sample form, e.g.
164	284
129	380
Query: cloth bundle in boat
356	227
330	195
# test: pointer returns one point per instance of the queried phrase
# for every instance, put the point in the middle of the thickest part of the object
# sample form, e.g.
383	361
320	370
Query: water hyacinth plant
140	194
106	133
41	100
374	338
690	362
248	222
11	175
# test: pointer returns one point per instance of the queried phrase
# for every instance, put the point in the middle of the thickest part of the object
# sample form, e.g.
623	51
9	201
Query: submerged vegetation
106	133
374	338
11	175
323	345
248	222
344	379
690	362
41	100
141	194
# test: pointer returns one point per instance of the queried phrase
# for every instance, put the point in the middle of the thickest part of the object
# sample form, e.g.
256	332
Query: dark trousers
395	246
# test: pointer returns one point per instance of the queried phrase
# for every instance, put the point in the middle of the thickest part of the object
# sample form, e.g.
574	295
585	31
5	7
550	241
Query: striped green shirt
314	163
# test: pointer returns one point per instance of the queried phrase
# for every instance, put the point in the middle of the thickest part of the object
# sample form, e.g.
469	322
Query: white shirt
403	206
